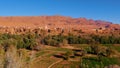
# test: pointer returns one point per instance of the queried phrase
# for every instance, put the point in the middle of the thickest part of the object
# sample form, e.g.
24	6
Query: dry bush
13	58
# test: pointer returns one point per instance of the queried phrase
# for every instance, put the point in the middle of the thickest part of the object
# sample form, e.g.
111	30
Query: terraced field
46	59
67	64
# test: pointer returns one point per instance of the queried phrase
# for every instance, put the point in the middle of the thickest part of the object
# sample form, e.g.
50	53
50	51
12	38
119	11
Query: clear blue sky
108	10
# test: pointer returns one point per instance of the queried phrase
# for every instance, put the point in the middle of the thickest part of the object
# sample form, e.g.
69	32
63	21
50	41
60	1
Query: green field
45	58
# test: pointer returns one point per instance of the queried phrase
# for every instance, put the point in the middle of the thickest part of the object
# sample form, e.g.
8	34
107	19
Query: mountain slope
55	21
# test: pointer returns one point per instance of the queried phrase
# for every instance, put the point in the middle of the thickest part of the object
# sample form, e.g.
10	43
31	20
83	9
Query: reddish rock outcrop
29	23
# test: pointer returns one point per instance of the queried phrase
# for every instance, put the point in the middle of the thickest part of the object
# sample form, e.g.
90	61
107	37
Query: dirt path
55	63
39	58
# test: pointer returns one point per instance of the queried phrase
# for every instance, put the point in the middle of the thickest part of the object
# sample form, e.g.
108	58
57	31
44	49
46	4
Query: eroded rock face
112	66
34	23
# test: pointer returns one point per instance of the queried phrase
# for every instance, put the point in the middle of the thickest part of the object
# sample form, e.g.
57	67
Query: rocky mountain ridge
54	22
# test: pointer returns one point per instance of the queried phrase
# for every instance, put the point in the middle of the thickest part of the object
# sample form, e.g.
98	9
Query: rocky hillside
53	22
